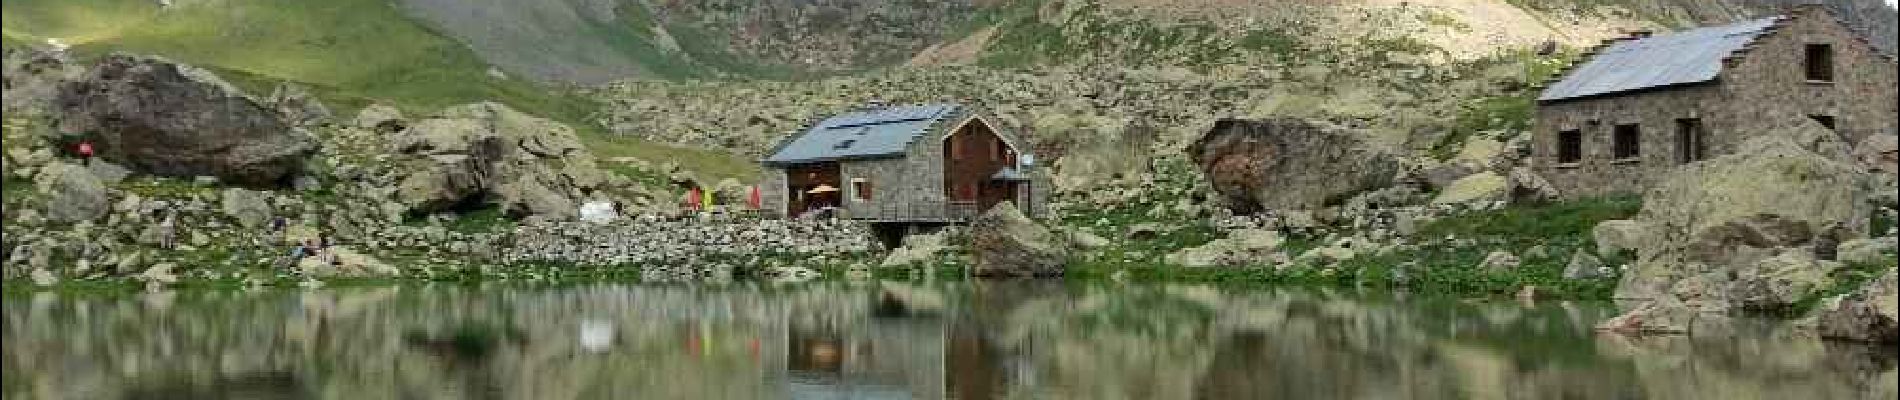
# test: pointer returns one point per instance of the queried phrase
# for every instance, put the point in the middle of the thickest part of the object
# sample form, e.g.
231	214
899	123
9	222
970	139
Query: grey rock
107	171
154	116
1499	260
1583	265
73	193
1005	243
1616	236
1289	163
297	106
1869	314
251	208
1777	283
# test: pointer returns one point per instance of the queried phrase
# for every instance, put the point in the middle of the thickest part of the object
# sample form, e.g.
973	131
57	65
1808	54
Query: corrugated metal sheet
862	134
1691	56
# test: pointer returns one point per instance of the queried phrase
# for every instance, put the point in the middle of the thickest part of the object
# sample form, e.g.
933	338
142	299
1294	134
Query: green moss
1845	280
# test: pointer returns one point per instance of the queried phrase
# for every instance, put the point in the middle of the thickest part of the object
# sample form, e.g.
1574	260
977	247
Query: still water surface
1020	340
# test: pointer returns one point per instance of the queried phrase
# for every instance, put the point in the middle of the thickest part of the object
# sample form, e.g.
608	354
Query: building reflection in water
889	341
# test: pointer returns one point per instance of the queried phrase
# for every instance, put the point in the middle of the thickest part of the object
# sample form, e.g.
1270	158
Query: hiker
168	231
85	152
276	233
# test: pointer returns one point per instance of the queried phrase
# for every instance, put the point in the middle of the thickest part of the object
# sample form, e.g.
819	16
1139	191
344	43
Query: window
1820	63
862	188
1569	146
1628	143
1825	120
956	147
1689	146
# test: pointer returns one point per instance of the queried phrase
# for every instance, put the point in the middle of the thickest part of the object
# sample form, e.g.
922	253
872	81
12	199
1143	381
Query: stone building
929	163
1641	105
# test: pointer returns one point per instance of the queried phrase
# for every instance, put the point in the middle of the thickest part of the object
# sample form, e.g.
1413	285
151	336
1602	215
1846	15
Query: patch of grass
1557	230
1845	280
14	190
484	220
162	187
1511	110
1529	224
709	165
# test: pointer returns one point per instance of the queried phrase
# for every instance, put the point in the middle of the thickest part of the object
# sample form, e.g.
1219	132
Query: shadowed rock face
162	118
1288	163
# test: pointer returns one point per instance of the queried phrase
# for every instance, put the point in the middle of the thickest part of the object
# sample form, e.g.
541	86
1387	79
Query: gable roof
873	133
1680	58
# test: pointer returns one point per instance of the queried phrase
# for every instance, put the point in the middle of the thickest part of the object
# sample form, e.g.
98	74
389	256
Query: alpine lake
890	340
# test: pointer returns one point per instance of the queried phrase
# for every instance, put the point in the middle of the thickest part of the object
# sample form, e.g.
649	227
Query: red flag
754	200
692	198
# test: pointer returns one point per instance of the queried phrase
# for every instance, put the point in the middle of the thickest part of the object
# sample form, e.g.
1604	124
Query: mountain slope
590	41
350	52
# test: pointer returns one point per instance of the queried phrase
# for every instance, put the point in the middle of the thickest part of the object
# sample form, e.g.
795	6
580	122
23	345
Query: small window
1825	120
1628	141
1569	146
1689	146
862	188
1820	63
846	144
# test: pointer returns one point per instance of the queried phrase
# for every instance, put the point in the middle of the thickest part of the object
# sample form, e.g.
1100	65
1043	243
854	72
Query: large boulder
1770	174
1289	163
487	153
1005	243
1868	314
162	118
73	193
1706	229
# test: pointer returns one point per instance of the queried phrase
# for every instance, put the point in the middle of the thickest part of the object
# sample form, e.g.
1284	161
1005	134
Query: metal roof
1686	57
870	133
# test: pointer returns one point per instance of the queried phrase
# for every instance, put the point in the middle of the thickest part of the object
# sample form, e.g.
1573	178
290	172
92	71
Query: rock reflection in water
887	341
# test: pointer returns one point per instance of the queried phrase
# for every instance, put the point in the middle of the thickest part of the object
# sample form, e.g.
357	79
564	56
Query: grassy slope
351	52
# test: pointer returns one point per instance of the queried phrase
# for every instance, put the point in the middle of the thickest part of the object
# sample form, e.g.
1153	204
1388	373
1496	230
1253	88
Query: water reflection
887	341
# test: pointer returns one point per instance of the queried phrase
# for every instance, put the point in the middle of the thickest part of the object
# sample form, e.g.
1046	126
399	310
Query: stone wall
772	196
653	239
1765	91
891	185
1598	172
911	185
1769	84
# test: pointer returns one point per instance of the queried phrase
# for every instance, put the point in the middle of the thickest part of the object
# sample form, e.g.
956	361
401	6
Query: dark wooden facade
973	154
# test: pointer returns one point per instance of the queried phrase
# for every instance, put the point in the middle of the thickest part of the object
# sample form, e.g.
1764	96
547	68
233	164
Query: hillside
1425	74
349	52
